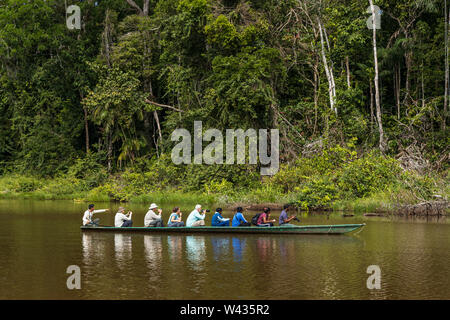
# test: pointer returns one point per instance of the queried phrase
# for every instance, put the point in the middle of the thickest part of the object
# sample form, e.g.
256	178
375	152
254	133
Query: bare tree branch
163	105
134	5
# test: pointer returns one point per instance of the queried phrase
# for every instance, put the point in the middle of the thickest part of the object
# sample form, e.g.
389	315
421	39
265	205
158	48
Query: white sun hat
198	207
153	206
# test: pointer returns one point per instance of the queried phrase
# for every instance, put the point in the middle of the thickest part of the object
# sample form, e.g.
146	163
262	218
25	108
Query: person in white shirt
87	217
122	220
196	219
152	219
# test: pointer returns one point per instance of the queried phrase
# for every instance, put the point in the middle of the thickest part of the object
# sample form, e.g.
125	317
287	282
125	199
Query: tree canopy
137	70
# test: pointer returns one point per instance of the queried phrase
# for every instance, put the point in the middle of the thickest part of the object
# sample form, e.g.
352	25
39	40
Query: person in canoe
151	218
197	217
218	220
87	217
239	220
175	218
264	219
284	219
122	220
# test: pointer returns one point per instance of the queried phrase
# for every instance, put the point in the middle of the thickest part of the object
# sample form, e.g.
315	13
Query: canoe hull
313	229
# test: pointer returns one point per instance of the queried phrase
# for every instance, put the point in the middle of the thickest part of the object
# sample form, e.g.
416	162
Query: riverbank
382	202
337	178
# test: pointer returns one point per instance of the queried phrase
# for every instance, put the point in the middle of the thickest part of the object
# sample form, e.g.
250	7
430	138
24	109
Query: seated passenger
87	217
239	220
218	220
152	219
195	218
175	218
284	219
263	220
123	220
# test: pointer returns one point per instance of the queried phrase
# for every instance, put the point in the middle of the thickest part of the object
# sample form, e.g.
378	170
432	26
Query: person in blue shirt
239	220
175	218
218	220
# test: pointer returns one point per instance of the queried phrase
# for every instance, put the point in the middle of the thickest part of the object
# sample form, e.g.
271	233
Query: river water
40	239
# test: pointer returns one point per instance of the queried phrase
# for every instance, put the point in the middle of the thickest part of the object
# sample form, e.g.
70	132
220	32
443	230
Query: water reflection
266	247
331	289
122	249
153	250
175	247
221	247
195	248
238	248
287	250
93	248
413	255
153	255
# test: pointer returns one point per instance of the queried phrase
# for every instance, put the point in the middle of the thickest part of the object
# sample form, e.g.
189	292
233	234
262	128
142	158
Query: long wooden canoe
313	229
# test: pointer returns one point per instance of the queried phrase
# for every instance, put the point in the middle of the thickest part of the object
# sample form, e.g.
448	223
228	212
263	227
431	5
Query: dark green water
40	239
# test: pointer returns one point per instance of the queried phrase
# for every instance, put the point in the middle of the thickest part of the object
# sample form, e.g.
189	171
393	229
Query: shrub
318	193
89	171
21	184
366	175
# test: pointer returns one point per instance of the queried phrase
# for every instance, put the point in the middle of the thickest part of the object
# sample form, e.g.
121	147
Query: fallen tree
427	208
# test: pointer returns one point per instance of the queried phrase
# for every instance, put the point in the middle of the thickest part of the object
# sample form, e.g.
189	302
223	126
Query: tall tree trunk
382	142
371	104
347	67
155	114
86	129
146	7
447	20
86	124
408	63
328	71
110	150
397	84
316	91
107	38
422	85
331	66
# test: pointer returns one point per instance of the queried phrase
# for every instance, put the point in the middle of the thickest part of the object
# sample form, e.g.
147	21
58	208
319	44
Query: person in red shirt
264	219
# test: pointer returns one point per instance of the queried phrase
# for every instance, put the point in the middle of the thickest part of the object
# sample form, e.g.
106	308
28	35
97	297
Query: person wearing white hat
151	218
196	219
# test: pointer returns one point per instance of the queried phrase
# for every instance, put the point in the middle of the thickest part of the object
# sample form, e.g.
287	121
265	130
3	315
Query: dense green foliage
91	111
335	178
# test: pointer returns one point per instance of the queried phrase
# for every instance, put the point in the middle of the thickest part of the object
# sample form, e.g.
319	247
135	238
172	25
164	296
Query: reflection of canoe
314	229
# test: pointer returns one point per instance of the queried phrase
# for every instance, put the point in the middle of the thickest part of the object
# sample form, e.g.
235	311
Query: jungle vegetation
362	112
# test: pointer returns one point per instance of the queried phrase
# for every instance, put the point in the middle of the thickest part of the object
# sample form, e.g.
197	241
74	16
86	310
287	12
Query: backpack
255	219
